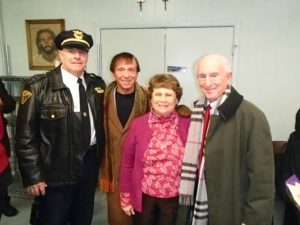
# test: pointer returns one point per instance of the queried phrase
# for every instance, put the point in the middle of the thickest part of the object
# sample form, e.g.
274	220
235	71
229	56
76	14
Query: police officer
60	135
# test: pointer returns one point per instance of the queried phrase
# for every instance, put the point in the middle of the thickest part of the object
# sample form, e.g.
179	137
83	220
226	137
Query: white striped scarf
190	164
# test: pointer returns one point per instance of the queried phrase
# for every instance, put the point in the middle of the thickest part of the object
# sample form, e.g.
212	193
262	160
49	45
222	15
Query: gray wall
267	36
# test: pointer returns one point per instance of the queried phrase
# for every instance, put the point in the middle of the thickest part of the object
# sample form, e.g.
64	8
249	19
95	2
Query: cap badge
78	34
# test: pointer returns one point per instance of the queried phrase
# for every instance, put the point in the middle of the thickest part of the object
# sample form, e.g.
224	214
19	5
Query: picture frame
42	53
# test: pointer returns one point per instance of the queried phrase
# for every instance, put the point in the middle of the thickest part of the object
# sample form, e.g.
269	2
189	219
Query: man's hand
37	189
128	210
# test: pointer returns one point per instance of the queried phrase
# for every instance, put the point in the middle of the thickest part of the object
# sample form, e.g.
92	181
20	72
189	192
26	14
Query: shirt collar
69	78
213	105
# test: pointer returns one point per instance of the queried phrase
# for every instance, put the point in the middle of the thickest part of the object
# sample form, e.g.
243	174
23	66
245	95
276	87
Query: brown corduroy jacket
115	132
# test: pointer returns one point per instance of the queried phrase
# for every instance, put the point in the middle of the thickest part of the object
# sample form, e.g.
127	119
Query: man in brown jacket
124	100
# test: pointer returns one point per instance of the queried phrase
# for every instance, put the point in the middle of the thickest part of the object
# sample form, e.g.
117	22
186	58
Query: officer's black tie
85	118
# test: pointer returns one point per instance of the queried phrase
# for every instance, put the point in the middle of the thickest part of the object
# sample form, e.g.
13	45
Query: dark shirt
124	106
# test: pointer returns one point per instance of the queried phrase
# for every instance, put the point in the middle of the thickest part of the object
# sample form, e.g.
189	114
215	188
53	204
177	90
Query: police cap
73	39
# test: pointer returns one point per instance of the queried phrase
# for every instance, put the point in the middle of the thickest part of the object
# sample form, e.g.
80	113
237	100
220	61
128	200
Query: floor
23	203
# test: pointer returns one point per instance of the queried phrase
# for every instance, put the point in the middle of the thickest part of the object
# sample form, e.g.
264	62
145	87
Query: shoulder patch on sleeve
25	96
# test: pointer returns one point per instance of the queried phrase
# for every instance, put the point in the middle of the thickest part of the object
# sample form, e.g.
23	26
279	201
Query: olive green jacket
239	165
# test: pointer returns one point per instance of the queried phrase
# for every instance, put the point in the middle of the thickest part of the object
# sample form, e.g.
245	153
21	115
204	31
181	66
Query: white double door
172	50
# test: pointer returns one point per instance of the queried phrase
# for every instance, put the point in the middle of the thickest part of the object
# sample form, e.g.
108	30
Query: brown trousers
116	216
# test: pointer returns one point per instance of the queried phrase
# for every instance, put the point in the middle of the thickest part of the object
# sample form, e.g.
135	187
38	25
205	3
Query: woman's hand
128	210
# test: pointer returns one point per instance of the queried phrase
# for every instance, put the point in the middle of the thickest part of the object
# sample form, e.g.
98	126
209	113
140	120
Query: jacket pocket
54	137
54	120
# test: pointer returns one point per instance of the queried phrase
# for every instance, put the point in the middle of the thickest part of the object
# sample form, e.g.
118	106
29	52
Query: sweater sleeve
125	199
127	159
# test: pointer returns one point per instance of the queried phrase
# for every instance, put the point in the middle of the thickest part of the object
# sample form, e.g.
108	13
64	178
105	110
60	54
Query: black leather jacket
44	145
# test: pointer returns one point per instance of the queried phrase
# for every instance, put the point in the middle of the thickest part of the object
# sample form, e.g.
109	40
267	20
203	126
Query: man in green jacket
228	169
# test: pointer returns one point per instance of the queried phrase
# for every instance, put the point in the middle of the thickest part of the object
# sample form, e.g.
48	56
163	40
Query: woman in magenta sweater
152	155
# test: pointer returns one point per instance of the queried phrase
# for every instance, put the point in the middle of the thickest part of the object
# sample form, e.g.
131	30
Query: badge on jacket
99	90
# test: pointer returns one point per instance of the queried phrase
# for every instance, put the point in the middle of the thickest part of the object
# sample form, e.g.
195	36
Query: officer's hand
37	189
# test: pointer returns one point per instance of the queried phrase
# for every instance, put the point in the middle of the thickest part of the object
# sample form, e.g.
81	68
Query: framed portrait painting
42	53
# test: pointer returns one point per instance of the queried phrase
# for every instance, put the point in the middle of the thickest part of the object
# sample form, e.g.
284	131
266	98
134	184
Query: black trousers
2	199
157	211
71	204
5	180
